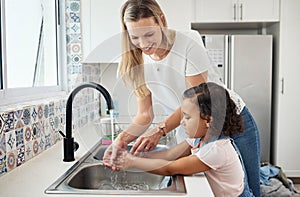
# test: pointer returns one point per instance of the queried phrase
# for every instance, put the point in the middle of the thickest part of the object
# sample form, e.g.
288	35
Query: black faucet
69	144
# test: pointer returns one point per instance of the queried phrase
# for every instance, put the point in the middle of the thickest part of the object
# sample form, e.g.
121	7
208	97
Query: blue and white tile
18	119
20	155
3	168
19	138
10	141
8	121
26	117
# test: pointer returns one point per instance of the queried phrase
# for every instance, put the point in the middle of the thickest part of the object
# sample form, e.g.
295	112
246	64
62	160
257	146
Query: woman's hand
147	142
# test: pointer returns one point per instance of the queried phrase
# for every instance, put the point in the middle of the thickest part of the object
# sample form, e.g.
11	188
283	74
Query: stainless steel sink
96	176
90	176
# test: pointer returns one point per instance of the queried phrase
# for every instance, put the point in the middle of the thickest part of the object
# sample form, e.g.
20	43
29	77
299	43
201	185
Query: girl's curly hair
216	106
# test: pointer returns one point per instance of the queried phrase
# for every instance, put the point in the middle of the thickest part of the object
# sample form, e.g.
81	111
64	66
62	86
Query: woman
159	64
209	117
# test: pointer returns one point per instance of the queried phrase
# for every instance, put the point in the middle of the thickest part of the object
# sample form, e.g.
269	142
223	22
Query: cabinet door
216	10
257	10
237	10
179	13
287	133
100	21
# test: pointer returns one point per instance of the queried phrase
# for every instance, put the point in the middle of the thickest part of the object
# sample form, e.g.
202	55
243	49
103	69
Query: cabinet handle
241	11
282	86
234	11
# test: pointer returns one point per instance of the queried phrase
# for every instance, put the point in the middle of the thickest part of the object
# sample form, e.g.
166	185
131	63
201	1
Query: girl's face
194	126
145	34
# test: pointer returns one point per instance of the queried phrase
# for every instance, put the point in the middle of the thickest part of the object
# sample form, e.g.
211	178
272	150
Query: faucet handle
75	144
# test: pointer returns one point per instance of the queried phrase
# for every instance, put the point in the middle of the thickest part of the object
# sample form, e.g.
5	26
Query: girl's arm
186	165
181	150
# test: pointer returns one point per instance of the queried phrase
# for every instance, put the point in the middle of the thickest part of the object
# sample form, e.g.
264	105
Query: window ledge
27	100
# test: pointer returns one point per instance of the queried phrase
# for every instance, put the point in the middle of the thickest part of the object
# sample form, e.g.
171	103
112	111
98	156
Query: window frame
18	95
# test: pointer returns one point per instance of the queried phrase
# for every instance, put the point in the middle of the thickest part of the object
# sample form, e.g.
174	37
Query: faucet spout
68	139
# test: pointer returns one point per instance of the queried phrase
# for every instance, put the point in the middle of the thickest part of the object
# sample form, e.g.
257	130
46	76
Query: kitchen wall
28	129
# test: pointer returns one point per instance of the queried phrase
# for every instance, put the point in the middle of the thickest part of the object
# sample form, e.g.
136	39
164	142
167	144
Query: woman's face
145	34
194	126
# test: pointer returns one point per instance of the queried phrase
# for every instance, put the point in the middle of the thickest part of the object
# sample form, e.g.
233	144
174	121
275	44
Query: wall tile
11	161
3	168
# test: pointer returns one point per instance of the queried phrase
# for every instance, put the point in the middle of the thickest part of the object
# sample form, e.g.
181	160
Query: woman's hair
131	64
216	106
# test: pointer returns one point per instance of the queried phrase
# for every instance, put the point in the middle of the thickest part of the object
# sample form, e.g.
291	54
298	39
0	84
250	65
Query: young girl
209	117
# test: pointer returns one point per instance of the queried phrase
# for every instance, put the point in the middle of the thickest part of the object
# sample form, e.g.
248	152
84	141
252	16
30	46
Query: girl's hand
124	160
147	142
112	153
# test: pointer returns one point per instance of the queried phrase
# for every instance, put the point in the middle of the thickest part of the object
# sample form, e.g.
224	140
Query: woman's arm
140	122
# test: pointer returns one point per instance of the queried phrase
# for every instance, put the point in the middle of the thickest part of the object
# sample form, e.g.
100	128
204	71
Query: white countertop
34	176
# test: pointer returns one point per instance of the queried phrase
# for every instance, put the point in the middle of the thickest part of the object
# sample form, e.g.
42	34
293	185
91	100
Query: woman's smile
149	49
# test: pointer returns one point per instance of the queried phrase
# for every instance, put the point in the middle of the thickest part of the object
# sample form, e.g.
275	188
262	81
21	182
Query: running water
111	112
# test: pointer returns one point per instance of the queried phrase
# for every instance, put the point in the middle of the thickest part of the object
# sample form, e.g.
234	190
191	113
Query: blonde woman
159	63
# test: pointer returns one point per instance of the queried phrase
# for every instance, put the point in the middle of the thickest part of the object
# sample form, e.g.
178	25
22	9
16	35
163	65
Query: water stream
111	112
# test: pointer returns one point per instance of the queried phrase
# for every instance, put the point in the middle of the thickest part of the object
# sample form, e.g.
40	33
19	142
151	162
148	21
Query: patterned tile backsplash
28	130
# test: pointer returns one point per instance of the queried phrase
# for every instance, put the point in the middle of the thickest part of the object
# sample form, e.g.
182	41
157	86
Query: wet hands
112	153
117	158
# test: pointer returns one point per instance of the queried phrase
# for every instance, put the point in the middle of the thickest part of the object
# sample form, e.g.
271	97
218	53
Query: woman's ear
163	19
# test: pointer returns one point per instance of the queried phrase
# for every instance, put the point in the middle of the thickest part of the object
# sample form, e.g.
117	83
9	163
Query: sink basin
90	176
97	176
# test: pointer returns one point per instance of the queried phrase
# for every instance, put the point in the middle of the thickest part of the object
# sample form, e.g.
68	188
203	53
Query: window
30	55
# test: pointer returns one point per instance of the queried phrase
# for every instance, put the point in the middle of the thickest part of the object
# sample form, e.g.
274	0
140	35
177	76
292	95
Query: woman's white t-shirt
166	78
226	176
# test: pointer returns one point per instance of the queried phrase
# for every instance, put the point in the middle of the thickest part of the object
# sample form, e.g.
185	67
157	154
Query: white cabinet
287	132
100	22
179	13
237	10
